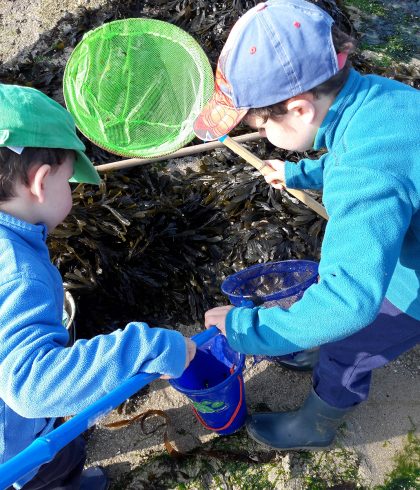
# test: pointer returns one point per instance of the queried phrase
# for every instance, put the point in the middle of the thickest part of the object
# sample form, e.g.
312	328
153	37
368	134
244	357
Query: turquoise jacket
42	378
370	177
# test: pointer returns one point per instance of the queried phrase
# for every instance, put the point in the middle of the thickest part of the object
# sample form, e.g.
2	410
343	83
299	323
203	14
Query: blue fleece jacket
370	177
40	377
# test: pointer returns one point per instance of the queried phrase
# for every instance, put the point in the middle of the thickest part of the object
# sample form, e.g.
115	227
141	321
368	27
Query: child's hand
191	350
217	316
276	178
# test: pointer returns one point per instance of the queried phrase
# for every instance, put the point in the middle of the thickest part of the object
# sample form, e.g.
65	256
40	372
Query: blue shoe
312	427
94	479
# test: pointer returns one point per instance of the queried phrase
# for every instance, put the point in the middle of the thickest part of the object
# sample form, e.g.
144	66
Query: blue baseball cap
276	50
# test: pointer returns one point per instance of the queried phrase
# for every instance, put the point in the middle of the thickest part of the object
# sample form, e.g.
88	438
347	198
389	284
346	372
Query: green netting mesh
135	86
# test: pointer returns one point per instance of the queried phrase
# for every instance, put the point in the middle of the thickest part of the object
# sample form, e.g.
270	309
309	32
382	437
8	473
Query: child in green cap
283	70
42	376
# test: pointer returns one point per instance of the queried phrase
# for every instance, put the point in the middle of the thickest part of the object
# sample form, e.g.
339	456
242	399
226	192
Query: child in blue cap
42	377
283	71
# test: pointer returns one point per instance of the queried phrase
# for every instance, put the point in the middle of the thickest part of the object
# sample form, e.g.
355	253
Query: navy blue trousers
343	374
64	471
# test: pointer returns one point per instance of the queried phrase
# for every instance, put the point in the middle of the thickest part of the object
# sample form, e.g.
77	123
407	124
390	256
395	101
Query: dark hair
343	43
15	168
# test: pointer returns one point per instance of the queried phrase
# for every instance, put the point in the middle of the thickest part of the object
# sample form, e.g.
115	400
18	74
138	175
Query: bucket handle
232	418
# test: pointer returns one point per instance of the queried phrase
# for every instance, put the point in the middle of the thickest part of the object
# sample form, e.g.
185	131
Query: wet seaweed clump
154	244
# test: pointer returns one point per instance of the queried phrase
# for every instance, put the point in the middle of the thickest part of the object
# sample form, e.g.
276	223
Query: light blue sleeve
369	215
306	174
47	379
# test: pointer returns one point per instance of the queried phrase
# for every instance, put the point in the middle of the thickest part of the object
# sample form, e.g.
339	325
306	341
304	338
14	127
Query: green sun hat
28	118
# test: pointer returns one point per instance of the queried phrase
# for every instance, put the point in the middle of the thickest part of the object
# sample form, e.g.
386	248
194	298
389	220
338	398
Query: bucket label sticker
208	406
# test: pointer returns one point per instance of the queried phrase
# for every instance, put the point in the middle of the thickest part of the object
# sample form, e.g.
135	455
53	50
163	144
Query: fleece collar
341	111
33	235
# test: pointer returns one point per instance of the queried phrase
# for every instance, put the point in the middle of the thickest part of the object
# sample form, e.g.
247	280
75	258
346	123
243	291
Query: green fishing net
135	86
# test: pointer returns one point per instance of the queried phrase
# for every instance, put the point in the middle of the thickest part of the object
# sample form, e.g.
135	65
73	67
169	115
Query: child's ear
302	107
37	180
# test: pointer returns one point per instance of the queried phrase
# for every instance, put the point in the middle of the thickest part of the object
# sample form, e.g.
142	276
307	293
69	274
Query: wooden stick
266	169
189	150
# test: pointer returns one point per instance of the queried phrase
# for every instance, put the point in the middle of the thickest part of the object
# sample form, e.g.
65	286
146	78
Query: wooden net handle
265	169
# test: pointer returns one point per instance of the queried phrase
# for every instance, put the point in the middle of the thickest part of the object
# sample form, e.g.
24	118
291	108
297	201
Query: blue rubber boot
94	479
311	427
300	361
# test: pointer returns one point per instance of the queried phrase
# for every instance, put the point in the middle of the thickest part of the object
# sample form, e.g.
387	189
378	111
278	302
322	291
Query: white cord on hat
16	149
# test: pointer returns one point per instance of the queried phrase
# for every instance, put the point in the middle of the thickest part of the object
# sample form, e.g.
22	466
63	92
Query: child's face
58	197
287	131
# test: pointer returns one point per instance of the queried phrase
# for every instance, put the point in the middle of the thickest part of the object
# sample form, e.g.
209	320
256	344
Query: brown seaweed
155	244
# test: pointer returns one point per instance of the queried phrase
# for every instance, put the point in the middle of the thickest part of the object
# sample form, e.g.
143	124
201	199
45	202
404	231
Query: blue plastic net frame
294	277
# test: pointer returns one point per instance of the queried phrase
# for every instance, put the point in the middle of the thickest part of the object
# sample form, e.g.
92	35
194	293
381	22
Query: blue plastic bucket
214	384
279	283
